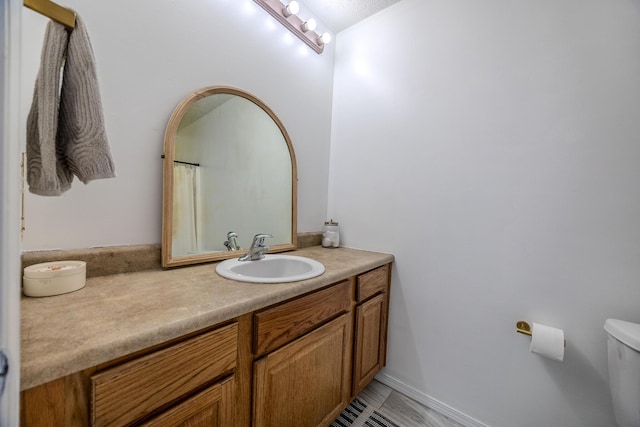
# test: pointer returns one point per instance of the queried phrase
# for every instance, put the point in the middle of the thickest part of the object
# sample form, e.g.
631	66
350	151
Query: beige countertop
116	315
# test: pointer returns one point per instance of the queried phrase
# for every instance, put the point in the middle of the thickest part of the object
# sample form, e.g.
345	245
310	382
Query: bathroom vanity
182	346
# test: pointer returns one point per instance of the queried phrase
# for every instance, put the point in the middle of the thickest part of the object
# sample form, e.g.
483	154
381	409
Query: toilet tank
623	346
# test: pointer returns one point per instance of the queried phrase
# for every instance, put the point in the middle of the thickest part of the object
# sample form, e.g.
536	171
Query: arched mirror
229	173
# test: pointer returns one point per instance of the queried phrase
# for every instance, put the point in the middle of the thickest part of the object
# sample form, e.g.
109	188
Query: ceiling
341	14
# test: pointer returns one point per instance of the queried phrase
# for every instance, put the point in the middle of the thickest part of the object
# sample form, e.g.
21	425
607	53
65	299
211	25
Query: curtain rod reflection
184	163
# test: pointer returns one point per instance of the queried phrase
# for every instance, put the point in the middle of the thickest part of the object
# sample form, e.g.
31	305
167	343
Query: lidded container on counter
54	278
330	234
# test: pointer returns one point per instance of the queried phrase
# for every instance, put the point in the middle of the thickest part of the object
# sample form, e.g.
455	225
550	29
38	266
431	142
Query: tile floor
405	411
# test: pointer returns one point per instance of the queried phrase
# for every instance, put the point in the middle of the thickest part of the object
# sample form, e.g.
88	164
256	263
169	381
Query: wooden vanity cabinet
297	363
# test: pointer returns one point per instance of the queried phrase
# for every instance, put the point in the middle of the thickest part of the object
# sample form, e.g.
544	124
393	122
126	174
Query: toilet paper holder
523	327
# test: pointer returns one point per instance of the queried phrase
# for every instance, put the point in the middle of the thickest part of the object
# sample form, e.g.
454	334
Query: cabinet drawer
278	325
373	282
126	393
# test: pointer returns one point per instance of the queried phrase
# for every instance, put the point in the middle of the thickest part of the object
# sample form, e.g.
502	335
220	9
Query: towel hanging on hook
63	15
66	133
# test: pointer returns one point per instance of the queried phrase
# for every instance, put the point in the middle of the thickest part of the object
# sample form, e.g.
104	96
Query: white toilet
623	344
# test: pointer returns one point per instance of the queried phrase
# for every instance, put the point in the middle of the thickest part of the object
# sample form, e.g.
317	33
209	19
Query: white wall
493	147
150	54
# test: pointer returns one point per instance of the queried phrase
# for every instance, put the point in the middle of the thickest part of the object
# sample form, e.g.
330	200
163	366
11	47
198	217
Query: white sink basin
271	269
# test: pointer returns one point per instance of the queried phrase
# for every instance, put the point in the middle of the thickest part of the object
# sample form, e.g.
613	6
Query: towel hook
63	15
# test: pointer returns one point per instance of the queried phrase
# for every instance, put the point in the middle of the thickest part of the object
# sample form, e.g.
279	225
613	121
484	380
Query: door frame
10	189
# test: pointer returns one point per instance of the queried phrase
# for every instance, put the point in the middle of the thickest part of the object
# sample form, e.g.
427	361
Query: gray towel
65	126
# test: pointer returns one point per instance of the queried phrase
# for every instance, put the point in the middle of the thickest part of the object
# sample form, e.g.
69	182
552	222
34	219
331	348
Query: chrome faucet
257	249
232	241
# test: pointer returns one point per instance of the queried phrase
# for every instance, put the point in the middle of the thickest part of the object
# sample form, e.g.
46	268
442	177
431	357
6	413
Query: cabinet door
370	347
212	407
306	382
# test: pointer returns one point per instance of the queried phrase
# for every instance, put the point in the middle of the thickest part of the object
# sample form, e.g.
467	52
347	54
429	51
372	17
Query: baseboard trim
429	401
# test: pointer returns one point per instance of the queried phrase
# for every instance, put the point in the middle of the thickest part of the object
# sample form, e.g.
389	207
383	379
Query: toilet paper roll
547	342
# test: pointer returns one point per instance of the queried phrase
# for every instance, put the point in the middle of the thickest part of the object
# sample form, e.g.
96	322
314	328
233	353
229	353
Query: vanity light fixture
291	9
287	16
325	38
309	25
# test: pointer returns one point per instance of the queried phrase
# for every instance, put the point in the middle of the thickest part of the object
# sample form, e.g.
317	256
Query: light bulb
309	25
292	9
325	38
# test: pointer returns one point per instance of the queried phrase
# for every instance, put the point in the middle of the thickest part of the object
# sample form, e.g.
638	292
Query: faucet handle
257	249
258	239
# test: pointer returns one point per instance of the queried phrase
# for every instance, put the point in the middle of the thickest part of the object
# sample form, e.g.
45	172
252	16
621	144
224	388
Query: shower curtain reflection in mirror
187	210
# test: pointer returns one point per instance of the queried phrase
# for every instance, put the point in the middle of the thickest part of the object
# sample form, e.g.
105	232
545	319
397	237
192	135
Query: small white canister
54	278
331	234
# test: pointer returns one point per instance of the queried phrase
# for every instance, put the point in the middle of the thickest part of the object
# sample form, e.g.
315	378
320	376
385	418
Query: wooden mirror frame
168	260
